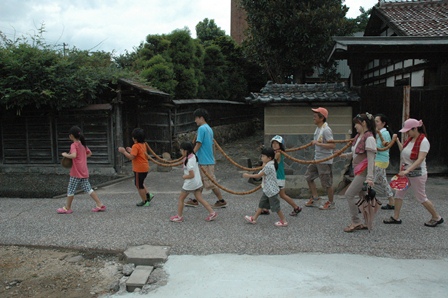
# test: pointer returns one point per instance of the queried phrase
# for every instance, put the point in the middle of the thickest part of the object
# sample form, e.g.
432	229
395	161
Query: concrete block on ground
147	254
138	278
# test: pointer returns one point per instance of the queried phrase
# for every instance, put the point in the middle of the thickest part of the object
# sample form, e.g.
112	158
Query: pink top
79	168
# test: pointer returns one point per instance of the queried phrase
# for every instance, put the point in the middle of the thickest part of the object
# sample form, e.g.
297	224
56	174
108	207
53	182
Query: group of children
272	173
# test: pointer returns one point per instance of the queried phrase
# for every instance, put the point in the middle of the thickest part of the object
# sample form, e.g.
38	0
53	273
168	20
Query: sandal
392	220
433	223
352	228
388	207
295	211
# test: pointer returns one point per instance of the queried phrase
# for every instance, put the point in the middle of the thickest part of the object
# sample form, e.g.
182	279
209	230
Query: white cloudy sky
116	25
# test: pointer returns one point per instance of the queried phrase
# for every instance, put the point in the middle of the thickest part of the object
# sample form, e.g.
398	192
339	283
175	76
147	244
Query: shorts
272	203
418	186
322	171
210	170
139	179
192	190
73	185
281	183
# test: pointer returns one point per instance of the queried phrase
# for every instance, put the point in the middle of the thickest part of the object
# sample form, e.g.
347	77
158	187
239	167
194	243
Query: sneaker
281	224
313	202
250	219
191	203
220	204
211	216
177	218
141	203
149	197
63	210
433	223
146	203
327	206
99	209
295	211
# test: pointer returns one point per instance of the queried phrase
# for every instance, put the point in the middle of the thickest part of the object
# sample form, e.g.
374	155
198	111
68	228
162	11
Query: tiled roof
295	93
415	18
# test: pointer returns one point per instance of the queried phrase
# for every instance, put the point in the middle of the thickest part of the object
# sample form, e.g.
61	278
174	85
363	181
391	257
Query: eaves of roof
143	88
302	93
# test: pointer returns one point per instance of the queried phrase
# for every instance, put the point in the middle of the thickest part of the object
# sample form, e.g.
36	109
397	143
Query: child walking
269	199
79	173
277	144
140	165
192	183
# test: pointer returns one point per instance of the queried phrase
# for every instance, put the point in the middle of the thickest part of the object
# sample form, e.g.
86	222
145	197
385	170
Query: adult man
323	170
204	150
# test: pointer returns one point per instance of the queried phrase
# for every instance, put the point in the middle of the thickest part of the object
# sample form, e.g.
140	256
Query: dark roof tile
295	93
416	18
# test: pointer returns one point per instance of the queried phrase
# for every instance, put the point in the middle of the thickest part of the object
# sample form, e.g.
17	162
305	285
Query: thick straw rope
177	162
241	193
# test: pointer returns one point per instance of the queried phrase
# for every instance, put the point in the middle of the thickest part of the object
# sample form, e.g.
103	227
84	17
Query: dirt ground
41	272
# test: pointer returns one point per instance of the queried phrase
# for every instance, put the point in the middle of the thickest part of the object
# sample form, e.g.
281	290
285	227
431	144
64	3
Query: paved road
35	222
312	257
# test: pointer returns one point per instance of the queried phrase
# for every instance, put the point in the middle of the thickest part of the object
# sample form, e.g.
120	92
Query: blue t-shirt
205	137
382	156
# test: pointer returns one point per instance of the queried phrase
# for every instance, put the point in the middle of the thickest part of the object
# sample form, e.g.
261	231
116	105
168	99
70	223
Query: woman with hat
413	158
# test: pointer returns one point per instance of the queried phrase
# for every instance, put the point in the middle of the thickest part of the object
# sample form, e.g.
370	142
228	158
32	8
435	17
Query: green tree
160	74
180	58
33	73
207	31
289	37
215	83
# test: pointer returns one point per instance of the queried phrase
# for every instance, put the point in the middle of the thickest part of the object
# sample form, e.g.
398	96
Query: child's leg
142	194
287	198
85	184
281	215
68	204
257	213
180	203
94	196
141	189
198	196
71	189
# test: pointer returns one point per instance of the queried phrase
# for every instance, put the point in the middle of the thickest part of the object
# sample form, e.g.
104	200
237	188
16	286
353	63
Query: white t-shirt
196	182
406	154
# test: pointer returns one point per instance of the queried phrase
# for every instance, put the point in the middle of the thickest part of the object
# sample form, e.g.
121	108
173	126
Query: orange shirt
140	162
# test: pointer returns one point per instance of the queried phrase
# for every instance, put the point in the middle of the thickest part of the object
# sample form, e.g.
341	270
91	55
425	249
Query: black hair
370	121
422	129
201	113
321	116
139	135
77	134
385	120
282	146
269	152
188	146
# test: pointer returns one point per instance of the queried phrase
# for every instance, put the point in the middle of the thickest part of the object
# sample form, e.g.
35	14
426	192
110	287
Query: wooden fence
427	103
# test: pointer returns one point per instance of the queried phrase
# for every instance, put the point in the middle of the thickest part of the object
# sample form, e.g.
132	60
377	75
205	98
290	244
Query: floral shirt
269	182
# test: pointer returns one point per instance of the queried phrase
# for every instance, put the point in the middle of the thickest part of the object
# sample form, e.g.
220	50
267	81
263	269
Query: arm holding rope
256	176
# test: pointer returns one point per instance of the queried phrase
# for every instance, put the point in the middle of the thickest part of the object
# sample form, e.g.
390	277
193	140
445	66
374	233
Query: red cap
321	110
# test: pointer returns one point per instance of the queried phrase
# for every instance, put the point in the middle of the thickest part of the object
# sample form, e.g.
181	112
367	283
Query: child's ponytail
76	132
188	146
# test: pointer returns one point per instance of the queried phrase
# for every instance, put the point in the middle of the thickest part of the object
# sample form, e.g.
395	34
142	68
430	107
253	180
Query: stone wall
225	133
